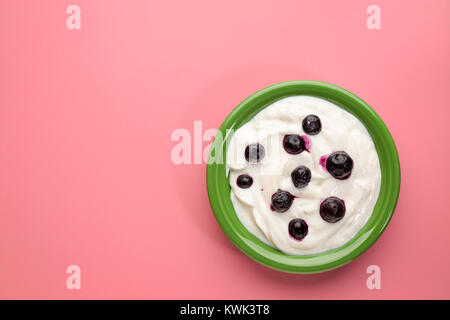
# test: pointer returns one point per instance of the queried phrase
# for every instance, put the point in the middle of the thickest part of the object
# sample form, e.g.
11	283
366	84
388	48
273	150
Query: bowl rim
219	189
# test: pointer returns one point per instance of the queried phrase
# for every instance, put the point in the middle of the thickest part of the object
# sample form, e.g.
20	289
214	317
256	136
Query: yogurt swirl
341	131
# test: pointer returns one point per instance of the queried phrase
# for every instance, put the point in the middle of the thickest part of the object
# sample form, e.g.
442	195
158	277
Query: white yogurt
341	131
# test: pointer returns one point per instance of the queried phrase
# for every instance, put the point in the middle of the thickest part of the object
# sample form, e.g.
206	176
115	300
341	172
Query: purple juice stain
308	143
323	162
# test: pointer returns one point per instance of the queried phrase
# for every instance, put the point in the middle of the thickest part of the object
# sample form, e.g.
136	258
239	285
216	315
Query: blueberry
281	201
293	143
312	125
339	165
244	181
301	176
298	229
332	209
254	153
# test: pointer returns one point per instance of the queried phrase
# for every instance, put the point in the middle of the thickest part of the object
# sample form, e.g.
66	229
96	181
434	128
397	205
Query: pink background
86	116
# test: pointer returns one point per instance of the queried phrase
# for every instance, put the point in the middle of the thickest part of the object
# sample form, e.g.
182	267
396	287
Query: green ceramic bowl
219	188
